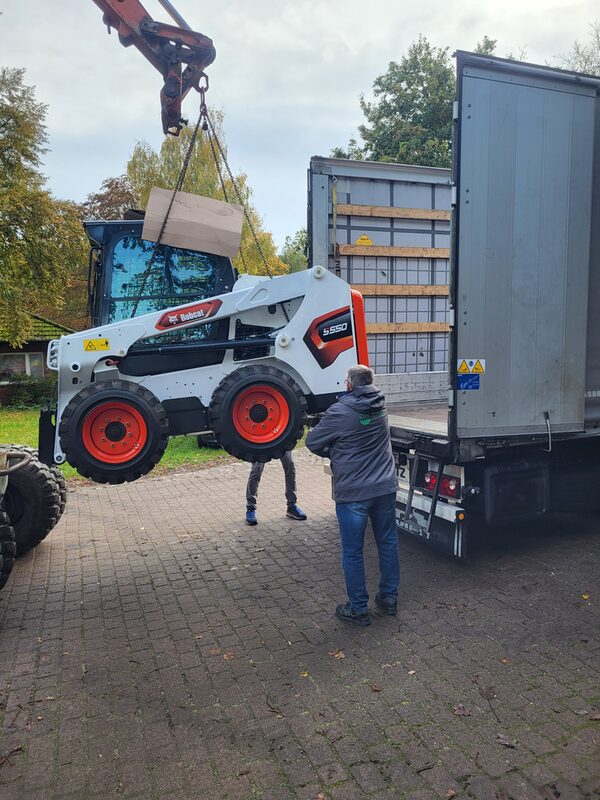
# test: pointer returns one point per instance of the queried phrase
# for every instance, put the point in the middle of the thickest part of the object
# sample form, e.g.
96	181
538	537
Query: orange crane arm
167	47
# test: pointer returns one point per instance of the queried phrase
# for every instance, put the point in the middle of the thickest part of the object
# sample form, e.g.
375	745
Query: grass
21	427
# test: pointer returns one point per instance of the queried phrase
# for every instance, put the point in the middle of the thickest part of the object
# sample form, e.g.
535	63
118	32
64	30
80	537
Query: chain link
205	122
212	137
180	179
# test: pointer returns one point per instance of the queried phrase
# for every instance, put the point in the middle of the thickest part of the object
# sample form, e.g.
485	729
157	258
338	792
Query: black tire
223	419
62	490
7	548
56	474
32	501
80	431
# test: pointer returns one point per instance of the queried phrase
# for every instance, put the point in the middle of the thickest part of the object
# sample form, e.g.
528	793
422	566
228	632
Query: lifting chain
205	123
219	157
180	179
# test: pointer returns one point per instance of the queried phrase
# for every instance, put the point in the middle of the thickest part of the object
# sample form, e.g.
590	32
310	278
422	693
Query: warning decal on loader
89	345
471	366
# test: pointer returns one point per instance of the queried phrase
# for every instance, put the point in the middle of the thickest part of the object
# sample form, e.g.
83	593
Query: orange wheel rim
114	432
261	414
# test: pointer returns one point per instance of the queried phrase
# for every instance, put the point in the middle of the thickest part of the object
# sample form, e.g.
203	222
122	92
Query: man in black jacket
354	434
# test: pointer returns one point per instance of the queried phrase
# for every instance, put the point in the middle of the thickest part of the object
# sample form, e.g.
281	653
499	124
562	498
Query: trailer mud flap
447	530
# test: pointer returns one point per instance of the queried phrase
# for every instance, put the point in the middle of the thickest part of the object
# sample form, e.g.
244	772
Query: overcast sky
288	76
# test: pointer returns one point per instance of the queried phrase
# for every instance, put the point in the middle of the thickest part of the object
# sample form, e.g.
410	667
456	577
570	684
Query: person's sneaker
387	605
347	613
295	512
251	517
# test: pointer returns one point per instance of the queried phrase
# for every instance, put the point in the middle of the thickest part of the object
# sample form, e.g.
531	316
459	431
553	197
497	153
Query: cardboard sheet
195	222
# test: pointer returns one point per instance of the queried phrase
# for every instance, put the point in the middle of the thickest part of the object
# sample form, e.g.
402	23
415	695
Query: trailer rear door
524	161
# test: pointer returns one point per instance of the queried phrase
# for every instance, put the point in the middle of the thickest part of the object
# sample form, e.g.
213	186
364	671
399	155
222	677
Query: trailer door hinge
454	195
451	317
455	109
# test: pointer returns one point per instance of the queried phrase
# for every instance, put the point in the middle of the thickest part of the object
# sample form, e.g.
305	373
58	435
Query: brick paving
156	647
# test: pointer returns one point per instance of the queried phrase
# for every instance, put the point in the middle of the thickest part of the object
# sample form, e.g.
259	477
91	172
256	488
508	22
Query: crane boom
167	47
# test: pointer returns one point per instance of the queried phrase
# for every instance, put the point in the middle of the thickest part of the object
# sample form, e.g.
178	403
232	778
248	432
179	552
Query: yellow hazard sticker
363	240
89	345
470	366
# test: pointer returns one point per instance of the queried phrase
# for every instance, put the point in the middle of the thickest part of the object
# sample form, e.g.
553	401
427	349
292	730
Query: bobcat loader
249	357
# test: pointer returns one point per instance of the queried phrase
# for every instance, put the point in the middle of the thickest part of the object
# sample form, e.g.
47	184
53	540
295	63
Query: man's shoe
294	512
387	605
347	613
251	517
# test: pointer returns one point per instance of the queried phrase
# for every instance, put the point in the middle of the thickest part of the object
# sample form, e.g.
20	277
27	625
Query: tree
111	201
486	46
147	168
584	57
410	119
41	241
295	251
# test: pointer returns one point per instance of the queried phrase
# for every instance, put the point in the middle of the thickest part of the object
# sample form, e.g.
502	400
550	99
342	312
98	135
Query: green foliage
353	150
147	168
22	131
41	241
410	118
295	251
486	46
21	427
25	391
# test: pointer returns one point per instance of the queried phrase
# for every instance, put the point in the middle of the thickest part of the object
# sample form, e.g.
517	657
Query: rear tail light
449	484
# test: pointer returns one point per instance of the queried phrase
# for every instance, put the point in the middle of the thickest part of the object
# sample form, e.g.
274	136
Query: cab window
177	276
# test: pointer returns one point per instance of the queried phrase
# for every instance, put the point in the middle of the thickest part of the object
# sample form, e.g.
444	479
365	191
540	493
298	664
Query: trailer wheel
114	431
7	548
258	413
32	501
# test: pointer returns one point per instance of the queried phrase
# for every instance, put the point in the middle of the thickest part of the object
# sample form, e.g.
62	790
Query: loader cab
120	287
119	259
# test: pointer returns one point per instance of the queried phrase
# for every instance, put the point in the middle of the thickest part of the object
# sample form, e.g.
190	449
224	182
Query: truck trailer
510	430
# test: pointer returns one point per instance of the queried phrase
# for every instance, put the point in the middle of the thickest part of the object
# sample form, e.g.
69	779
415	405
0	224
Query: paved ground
154	647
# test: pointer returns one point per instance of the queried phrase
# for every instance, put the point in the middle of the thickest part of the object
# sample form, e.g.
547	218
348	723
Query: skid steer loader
180	343
250	358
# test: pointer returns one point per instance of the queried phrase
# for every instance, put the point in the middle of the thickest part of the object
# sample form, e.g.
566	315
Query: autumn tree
148	167
111	201
41	240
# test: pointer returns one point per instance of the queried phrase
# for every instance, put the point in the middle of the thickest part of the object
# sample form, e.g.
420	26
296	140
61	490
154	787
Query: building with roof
30	358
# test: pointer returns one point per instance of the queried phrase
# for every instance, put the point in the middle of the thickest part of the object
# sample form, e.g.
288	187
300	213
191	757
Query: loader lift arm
167	47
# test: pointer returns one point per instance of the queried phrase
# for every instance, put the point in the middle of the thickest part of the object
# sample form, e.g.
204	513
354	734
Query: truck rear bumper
447	529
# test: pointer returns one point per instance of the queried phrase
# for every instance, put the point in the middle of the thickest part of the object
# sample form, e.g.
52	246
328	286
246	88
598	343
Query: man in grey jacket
354	434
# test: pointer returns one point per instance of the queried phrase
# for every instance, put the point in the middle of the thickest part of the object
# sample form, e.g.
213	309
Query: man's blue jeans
353	518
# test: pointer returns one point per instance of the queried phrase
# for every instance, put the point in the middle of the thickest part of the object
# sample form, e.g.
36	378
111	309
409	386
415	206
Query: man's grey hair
359	376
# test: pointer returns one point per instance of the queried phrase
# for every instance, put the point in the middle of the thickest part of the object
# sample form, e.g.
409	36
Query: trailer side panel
525	169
